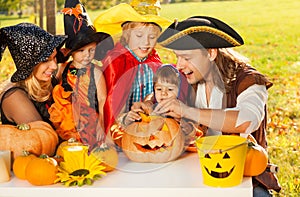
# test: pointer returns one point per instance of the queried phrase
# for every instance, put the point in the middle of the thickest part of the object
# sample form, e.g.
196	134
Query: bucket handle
224	150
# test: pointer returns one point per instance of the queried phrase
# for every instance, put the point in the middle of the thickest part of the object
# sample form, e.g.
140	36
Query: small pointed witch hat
81	32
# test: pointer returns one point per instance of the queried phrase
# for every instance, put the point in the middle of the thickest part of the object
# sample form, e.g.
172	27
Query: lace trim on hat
200	29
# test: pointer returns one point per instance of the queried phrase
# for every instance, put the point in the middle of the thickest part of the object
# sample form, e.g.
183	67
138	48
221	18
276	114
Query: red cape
119	68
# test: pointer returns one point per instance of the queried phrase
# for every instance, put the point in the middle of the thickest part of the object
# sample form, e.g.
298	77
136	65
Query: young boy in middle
129	67
167	83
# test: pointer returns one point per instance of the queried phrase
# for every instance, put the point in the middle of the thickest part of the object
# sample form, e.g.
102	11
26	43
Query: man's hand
171	107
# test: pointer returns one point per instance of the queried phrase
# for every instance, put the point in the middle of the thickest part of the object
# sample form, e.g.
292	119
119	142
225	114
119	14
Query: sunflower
79	168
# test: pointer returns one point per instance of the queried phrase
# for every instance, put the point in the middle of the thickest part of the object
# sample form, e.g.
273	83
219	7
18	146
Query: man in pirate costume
79	99
228	95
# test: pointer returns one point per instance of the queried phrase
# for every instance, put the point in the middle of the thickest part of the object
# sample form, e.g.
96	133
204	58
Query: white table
178	178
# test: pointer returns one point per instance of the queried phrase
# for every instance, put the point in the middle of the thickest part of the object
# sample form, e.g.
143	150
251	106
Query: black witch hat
81	32
28	45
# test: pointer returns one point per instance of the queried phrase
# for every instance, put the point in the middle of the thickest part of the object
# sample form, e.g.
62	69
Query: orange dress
74	112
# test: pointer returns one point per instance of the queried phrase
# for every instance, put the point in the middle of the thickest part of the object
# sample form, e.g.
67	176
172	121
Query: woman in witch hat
79	99
34	51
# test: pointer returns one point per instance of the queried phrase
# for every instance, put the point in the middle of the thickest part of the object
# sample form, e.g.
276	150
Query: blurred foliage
271	32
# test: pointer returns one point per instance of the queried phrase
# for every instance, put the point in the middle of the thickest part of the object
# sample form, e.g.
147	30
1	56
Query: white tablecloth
178	178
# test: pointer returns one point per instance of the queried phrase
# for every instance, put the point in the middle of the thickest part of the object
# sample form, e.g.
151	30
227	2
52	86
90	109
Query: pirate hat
29	45
81	32
111	20
199	32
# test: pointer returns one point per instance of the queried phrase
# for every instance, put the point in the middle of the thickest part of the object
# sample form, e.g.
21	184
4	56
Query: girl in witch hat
79	99
27	97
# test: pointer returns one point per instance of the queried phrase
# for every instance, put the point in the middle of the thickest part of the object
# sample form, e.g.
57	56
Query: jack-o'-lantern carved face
155	139
222	168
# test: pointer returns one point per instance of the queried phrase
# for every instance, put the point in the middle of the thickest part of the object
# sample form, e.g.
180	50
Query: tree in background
51	17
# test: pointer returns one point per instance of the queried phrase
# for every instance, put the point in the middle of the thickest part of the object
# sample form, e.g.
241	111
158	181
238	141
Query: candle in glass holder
5	165
77	152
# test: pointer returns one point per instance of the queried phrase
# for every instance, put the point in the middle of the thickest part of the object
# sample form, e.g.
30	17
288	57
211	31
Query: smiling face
44	70
222	169
194	64
141	37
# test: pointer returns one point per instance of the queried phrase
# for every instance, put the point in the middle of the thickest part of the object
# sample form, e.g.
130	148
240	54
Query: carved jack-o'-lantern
155	139
222	159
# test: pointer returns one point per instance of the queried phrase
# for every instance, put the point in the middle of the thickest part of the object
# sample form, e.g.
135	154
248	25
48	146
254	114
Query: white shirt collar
215	101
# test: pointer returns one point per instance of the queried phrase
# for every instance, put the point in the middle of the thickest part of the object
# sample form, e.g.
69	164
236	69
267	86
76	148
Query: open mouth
187	73
144	49
147	148
219	174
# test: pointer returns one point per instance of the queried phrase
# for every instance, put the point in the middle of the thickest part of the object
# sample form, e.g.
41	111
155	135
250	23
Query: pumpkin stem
251	144
25	153
72	140
23	126
44	156
102	147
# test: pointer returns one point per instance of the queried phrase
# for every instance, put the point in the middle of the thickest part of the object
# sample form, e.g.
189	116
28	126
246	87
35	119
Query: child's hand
100	135
132	116
143	107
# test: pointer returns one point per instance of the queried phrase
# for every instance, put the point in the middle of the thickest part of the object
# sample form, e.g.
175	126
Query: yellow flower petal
79	168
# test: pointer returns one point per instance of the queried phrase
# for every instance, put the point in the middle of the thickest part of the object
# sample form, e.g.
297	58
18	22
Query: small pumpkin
41	170
20	163
155	139
36	137
256	159
108	156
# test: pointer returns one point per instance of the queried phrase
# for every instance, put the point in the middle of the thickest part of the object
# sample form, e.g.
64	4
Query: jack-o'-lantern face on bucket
222	159
155	140
223	167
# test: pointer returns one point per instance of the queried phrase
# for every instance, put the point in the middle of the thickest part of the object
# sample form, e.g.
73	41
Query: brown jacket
245	78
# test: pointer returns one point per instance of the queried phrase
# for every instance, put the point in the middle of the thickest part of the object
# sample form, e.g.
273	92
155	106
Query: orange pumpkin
155	139
20	163
256	160
36	137
41	170
108	156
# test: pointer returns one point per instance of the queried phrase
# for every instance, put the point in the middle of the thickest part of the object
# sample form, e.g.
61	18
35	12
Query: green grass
271	32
